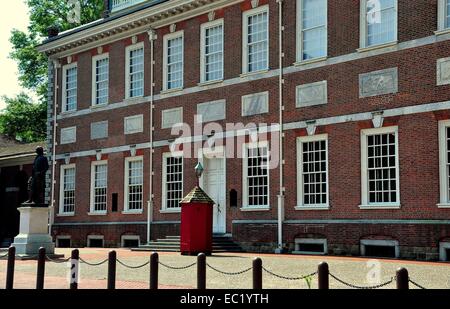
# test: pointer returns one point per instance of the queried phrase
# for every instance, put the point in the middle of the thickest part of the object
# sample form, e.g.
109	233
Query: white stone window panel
171	117
312	94
99	130
255	104
443	71
68	135
212	111
378	83
134	124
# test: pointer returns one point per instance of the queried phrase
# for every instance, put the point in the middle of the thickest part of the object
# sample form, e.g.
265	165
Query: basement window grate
95	243
380	251
130	243
63	243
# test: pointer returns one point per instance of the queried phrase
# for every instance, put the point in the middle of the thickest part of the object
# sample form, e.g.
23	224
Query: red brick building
360	88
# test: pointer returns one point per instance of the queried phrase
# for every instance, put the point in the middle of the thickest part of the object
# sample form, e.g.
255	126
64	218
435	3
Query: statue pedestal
33	231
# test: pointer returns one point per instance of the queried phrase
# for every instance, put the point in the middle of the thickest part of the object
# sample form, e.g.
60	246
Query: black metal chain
178	268
3	256
133	267
57	261
362	287
229	273
93	264
289	278
416	284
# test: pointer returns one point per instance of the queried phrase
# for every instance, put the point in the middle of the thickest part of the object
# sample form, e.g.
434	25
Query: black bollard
324	280
112	260
257	274
10	270
40	269
402	279
201	271
154	264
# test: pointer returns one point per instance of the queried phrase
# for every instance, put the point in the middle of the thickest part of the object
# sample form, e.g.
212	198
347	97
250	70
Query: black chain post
112	263
257	274
154	264
40	269
201	271
402	279
75	262
324	279
11	266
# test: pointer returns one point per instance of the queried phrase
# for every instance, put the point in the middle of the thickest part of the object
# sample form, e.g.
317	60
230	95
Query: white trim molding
384	243
166	38
245	194
126	209
165	156
300	30
64	88
94	79
300	192
128	50
442	26
444	172
365	202
63	168
363	44
93	212
123	238
245	17
310	241
444	247
95	237
203	28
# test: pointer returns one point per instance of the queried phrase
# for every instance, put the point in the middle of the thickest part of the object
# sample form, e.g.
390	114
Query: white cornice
155	17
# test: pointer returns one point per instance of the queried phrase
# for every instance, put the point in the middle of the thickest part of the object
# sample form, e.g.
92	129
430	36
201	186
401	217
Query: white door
214	180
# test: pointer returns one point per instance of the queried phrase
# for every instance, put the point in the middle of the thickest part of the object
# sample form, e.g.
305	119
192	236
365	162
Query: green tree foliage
23	120
33	65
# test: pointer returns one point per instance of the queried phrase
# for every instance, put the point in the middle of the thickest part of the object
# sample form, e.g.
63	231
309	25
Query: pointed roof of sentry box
197	195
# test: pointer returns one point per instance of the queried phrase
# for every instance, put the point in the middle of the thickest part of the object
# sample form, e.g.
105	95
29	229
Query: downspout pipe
281	109
56	66
152	37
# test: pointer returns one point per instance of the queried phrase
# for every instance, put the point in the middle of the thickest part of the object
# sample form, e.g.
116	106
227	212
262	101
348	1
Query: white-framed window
256	176
70	87
312	172
99	187
100	79
255	40
173	60
130	241
67	190
444	163
378	22
443	14
211	62
135	71
134	184
380	177
96	241
172	181
312	29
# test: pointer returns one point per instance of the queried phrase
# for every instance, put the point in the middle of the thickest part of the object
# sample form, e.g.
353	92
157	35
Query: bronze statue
36	183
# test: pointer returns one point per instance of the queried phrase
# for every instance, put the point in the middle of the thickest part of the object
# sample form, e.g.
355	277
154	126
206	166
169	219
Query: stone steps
172	244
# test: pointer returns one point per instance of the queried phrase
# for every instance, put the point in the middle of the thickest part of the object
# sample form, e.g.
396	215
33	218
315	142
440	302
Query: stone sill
310	61
129	212
379	207
209	83
69	214
314	207
308	253
256	73
97	213
444	205
174	211
249	209
442	31
375	47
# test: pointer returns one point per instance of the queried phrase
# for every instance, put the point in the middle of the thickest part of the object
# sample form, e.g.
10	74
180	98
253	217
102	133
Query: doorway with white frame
213	183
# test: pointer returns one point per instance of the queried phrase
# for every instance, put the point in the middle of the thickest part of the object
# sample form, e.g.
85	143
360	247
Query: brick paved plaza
351	270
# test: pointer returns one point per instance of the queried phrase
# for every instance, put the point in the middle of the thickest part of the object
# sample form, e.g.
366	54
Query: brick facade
415	56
